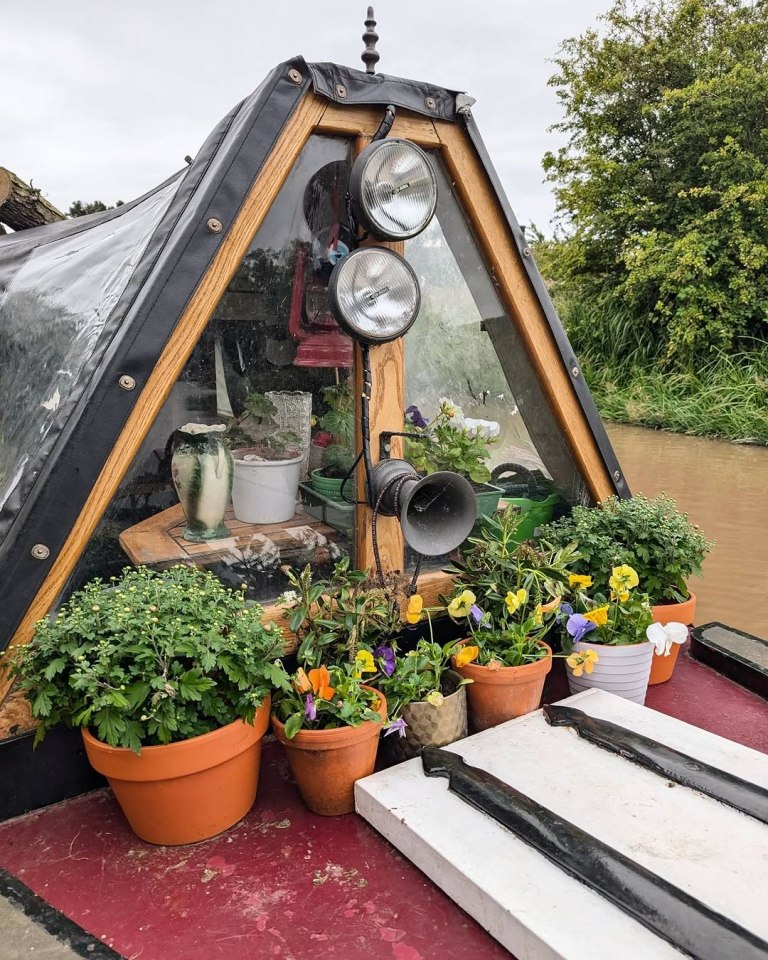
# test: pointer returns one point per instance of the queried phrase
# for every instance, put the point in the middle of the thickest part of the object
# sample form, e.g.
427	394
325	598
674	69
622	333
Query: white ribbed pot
623	670
264	491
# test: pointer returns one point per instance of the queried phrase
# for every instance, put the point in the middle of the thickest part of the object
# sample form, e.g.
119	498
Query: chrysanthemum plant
450	441
508	594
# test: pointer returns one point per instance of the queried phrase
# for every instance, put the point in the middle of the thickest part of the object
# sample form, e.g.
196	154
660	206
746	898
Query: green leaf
293	724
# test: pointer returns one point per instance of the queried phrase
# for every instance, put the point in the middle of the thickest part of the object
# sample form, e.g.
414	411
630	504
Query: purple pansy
413	415
578	625
476	613
310	710
386	659
398	725
563	611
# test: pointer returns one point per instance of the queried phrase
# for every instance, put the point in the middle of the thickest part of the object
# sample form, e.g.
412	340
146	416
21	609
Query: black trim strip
665	761
66	931
669	912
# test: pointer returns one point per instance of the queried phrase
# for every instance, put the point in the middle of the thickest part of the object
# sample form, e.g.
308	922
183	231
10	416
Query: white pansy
662	636
489	429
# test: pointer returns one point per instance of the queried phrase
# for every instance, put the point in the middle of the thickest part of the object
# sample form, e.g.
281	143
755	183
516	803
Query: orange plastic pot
662	667
503	693
326	763
187	791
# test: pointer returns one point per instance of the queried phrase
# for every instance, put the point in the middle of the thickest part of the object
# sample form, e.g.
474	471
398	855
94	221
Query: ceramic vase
202	472
623	670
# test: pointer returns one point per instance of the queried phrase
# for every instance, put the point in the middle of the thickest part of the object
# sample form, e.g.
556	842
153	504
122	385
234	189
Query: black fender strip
663	908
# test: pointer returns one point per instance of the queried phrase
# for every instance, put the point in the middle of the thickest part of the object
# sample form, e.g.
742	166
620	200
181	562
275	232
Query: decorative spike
370	56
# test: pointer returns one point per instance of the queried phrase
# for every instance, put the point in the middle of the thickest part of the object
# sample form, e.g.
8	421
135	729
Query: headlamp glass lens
397	189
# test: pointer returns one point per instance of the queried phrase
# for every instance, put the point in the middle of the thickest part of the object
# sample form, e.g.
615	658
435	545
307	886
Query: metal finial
370	56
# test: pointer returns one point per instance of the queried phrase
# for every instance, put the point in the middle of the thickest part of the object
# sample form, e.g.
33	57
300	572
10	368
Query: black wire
365	421
386	124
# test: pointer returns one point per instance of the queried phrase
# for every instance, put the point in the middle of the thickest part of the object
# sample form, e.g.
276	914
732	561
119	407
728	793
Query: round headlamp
393	189
374	294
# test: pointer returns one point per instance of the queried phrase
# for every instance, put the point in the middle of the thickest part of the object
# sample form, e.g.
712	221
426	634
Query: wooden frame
315	115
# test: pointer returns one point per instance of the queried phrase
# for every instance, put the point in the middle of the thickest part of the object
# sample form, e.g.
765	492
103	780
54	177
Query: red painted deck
285	883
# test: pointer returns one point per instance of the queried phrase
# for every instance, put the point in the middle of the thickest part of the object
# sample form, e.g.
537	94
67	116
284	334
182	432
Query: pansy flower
577	625
415	606
580	581
364	663
395	726
598	616
310	710
461	605
466	655
385	656
413	415
582	661
515	600
320	680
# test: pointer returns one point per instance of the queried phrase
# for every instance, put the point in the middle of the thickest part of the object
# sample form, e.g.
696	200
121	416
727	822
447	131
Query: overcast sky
102	100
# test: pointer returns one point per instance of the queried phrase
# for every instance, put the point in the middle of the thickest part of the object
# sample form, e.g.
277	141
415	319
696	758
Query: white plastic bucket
264	491
623	670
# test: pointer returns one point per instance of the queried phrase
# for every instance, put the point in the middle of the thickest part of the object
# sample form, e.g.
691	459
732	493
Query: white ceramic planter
264	491
621	670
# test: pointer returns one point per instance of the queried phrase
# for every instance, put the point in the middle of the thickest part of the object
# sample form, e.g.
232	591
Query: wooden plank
171	362
504	262
364	121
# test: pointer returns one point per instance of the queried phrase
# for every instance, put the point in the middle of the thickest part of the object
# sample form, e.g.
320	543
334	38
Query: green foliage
650	535
82	208
332	618
257	427
419	675
664	176
347	702
339	421
450	444
151	658
625	620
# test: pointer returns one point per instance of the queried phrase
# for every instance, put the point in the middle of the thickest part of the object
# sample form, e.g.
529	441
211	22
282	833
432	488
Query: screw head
214	225
575	371
526	251
126	382
40	551
294	75
617	475
341	91
429	103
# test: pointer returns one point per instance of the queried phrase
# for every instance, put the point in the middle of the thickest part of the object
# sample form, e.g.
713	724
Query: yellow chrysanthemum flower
578	580
415	605
460	606
598	616
466	655
515	600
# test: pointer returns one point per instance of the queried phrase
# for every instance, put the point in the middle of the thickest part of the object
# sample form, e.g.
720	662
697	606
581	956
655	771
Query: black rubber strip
667	762
66	931
663	908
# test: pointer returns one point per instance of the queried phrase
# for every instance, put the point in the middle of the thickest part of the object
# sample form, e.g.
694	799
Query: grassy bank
724	396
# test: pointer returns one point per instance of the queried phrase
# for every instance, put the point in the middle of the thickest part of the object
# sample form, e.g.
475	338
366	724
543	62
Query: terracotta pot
497	695
623	670
662	667
187	791
326	763
429	725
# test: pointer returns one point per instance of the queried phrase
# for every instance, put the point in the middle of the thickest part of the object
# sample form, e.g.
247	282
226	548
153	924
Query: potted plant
654	538
454	442
267	464
605	634
169	676
426	699
338	454
508	595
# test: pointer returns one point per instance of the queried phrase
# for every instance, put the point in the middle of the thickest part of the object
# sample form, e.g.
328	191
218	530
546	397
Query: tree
82	208
662	185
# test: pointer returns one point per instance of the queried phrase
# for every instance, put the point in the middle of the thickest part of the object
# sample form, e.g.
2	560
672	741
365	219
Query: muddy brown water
723	487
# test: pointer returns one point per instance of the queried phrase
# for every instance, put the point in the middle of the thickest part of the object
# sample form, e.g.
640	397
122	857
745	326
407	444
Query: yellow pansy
466	655
582	661
415	604
577	580
622	596
623	578
598	616
459	606
435	698
515	600
364	662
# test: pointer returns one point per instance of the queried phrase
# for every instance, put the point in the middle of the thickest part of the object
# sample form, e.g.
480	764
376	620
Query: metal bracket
385	441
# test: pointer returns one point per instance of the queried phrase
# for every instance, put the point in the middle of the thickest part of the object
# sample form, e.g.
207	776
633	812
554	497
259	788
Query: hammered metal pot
429	725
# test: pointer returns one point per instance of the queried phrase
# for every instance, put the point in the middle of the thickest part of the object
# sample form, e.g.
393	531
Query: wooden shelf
160	541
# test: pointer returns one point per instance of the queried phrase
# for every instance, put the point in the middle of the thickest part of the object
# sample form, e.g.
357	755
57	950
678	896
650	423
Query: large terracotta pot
623	670
429	725
662	667
503	693
326	763
187	791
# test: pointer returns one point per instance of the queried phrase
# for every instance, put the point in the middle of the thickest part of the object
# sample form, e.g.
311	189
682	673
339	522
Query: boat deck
283	883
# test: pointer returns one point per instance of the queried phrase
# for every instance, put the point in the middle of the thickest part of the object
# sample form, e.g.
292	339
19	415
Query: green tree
662	184
82	208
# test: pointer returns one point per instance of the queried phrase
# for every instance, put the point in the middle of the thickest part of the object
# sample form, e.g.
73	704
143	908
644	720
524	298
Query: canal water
724	488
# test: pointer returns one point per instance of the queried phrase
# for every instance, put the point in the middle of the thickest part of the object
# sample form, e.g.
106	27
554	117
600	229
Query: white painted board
715	853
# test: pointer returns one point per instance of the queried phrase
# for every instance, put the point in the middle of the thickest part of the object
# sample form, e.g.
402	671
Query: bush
650	535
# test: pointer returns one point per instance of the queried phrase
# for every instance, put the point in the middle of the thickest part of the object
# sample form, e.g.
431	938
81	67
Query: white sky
102	99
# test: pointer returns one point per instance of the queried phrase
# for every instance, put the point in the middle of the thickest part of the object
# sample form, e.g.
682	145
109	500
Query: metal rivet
341	91
617	475
430	103
294	75
526	251
575	371
126	382
40	551
214	225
